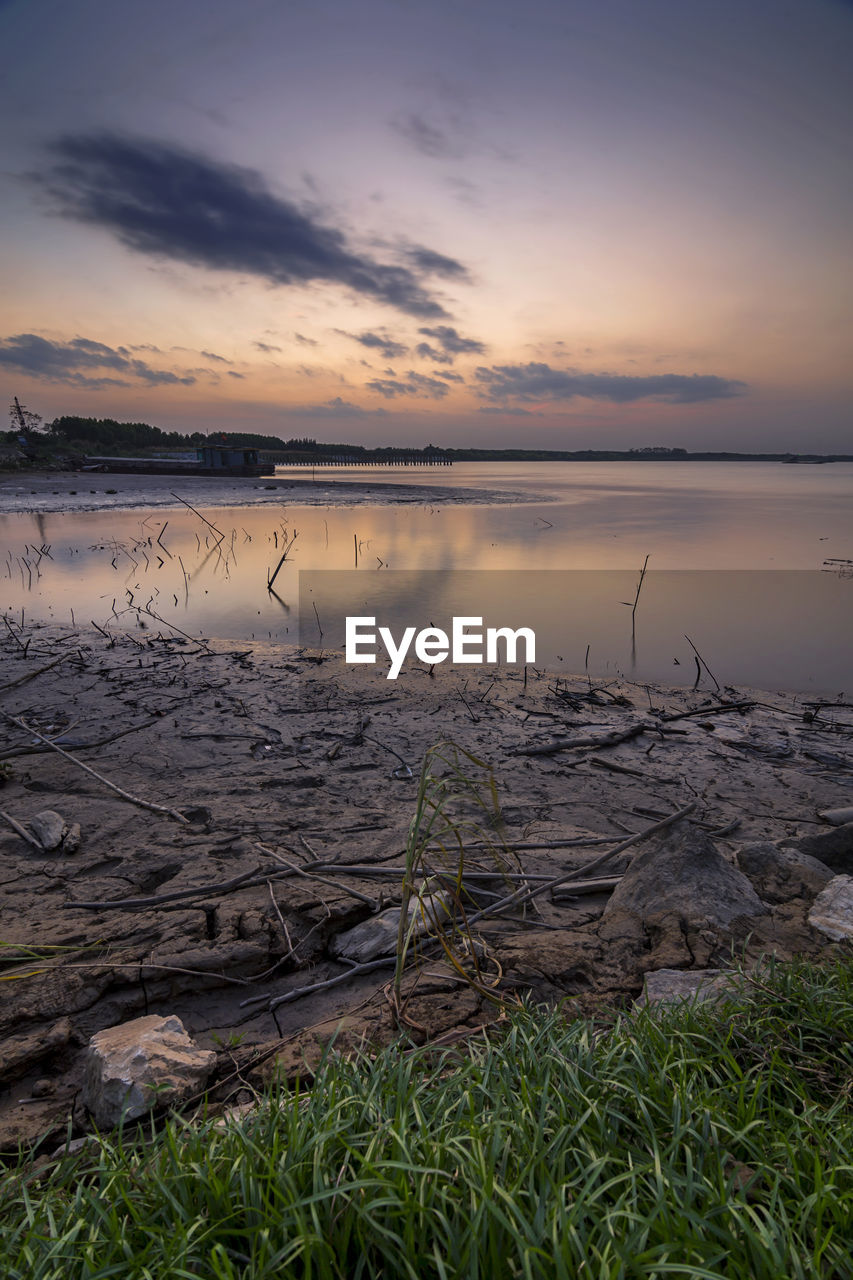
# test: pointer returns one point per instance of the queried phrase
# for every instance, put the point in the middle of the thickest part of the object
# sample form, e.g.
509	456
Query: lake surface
784	632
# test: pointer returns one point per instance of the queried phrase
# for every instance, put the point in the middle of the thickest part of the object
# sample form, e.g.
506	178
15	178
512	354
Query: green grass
685	1143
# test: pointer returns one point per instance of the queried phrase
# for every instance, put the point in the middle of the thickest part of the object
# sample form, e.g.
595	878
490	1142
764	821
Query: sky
564	224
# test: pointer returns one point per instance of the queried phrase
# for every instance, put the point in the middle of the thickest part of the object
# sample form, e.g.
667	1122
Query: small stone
132	1068
71	841
43	1088
832	912
378	935
48	827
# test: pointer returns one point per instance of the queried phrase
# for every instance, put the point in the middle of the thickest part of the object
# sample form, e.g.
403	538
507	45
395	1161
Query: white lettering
461	640
511	637
432	645
354	638
396	653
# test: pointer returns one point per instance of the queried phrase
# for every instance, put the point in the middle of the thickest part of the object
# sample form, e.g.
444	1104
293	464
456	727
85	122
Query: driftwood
586	740
13	752
709	710
246	880
31	675
125	795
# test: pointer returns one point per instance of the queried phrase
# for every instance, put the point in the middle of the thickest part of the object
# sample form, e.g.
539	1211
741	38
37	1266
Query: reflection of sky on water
605	517
774	628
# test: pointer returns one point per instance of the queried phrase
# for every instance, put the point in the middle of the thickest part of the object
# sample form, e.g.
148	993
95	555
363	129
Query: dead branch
22	831
520	896
125	795
588	740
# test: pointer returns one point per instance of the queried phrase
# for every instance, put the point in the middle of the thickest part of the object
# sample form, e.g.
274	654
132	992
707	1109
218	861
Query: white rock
132	1068
832	910
48	827
669	986
378	935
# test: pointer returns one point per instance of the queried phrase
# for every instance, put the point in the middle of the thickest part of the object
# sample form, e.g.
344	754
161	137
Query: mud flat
51	491
268	796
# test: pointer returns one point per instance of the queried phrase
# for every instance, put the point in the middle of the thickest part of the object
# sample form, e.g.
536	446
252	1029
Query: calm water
105	566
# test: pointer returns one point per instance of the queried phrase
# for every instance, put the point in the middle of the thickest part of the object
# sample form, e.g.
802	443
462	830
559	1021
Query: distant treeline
105	435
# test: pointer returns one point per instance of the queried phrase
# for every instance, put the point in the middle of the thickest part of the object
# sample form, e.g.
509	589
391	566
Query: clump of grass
457	803
689	1142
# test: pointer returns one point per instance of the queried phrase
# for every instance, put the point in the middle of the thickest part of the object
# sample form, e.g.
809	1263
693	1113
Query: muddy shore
280	759
52	491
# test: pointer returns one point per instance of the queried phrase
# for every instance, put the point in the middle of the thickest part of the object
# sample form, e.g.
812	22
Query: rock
838	817
832	912
779	875
670	986
378	935
683	873
131	1068
43	1088
71	840
48	827
18	1053
833	848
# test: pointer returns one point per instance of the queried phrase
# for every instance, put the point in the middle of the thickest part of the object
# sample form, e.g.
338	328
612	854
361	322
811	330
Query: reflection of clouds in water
756	517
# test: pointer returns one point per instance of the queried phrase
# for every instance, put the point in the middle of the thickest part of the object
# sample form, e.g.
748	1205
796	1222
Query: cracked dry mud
291	750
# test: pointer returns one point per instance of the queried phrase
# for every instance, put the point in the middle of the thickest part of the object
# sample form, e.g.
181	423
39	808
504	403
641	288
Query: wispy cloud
389	348
537	381
416	384
435	141
77	363
338	408
266	347
166	202
451	343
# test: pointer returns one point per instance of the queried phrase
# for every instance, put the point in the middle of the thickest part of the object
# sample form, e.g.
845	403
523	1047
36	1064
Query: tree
23	419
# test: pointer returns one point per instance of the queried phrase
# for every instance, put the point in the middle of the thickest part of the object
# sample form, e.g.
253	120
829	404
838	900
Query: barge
210	460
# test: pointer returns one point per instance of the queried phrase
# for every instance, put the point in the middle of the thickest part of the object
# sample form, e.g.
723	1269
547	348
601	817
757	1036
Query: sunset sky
562	224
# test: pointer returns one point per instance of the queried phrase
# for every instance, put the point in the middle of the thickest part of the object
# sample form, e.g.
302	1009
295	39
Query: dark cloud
426	352
211	355
381	342
436	264
265	347
169	203
232	374
306	342
416	384
450	377
451	342
536	381
72	362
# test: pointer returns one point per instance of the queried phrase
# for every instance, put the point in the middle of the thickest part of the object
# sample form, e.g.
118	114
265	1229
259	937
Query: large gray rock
780	875
684	874
833	848
832	912
132	1068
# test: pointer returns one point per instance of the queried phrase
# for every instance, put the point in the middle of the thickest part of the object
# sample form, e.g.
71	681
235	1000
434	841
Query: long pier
385	458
